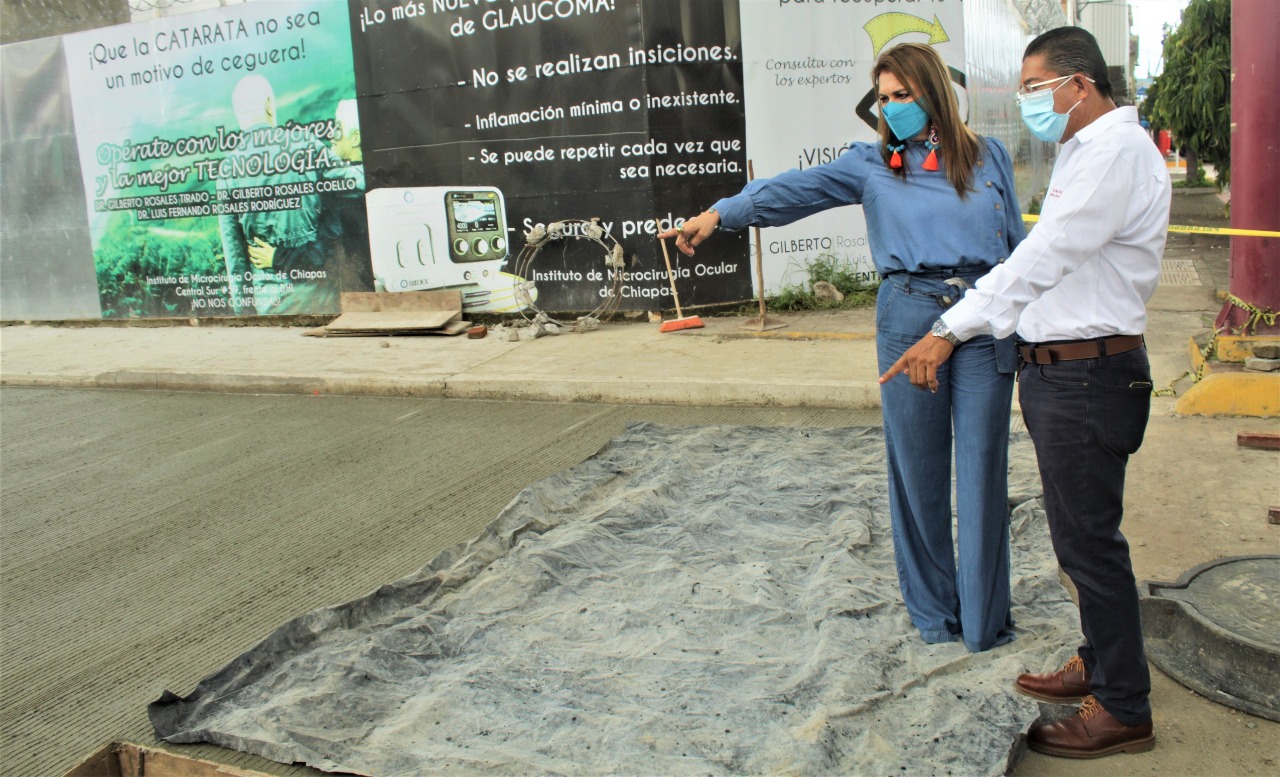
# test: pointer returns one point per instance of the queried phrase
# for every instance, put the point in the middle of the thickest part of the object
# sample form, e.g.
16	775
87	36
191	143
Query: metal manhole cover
1217	631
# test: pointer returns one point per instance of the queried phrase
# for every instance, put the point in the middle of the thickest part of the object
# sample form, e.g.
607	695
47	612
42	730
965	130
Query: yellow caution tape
1196	230
1256	315
1196	375
1169	390
1208	351
1216	231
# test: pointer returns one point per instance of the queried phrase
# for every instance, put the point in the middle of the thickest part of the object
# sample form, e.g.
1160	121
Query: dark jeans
1085	418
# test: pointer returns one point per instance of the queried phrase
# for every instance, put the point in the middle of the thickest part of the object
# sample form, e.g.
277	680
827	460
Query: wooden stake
762	322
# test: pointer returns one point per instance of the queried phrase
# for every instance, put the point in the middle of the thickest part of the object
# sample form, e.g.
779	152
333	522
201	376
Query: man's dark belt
1048	353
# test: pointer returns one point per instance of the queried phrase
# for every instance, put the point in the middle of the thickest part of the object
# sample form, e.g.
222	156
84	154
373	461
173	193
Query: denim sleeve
1015	229
790	196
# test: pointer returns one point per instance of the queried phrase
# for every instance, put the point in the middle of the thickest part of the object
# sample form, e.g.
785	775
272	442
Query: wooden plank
103	763
125	759
392	320
380	301
160	763
132	759
451	328
1265	440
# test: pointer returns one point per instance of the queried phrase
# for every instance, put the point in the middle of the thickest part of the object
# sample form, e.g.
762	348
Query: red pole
1255	161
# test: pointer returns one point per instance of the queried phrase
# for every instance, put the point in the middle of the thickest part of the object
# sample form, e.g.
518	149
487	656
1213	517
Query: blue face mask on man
1038	114
906	120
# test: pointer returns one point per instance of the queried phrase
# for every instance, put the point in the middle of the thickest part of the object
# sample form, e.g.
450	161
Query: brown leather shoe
1068	684
1091	733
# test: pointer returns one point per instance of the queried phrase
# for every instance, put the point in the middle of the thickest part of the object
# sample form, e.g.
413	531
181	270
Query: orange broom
680	321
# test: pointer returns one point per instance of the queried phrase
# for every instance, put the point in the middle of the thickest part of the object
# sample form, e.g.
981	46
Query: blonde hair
922	71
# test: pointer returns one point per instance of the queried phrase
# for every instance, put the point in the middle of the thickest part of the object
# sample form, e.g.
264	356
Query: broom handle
671	277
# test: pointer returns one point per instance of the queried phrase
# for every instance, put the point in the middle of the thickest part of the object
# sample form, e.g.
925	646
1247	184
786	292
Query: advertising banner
812	61
224	152
221	161
487	119
635	112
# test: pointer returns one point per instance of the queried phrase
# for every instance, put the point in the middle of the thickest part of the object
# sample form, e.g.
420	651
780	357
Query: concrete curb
234	384
533	388
811	394
1255	394
783	334
49	381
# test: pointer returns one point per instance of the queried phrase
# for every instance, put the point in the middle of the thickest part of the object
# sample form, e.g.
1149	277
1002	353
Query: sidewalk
820	359
817	360
625	362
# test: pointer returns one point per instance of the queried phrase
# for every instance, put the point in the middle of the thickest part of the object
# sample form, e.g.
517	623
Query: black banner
629	111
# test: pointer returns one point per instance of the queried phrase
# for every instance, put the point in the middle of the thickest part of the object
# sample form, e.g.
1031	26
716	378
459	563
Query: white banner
810	60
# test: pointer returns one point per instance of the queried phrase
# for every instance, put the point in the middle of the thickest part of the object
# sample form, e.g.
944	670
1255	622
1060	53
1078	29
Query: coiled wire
539	238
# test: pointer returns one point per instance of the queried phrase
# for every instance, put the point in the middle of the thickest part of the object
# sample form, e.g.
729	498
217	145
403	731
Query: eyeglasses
1031	90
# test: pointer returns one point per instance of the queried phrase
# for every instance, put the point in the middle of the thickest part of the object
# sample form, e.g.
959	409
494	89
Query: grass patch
1198	183
1037	202
859	289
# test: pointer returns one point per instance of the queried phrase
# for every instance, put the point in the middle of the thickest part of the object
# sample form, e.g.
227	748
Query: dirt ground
1192	496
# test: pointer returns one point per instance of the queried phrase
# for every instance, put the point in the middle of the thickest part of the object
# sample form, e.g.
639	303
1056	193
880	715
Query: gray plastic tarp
708	600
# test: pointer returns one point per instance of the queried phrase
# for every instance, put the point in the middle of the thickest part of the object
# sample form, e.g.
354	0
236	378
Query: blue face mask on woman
1038	114
906	120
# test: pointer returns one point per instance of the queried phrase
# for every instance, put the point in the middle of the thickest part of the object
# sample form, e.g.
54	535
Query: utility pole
1255	166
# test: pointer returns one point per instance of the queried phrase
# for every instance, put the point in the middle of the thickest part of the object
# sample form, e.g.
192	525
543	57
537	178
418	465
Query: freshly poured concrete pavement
149	537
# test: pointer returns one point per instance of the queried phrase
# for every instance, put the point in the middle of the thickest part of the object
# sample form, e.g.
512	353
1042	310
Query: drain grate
1179	272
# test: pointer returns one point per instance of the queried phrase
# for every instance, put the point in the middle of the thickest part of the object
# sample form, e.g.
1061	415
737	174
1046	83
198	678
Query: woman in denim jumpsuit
925	227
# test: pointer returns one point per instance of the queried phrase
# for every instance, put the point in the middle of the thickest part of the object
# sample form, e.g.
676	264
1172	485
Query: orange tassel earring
931	161
895	161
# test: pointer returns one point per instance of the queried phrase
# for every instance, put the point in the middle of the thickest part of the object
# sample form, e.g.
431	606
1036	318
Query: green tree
1192	95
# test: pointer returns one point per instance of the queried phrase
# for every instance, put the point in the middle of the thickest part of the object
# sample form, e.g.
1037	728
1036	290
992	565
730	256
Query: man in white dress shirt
1075	292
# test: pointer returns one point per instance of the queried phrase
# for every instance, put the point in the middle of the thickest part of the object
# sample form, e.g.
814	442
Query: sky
1148	18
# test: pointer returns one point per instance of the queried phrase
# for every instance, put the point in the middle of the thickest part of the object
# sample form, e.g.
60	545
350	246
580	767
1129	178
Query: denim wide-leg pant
953	590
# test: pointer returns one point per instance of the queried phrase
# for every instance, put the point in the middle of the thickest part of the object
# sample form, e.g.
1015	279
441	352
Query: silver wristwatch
940	329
